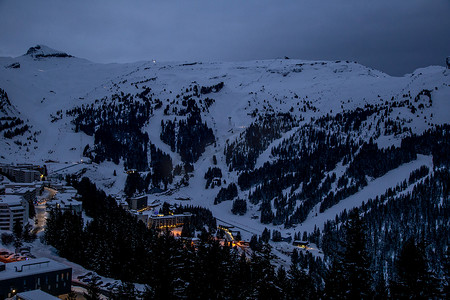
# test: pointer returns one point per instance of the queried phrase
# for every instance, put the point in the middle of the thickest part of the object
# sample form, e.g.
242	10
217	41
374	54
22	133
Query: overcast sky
395	36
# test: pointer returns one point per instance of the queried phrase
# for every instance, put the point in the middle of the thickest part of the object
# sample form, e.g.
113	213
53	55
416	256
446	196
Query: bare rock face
41	51
15	65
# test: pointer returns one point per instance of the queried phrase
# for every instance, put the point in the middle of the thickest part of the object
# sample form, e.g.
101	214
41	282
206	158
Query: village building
41	273
169	221
25	173
35	295
301	244
137	203
13	208
65	202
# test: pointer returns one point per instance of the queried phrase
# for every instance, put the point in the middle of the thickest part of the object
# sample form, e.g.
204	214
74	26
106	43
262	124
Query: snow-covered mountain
267	119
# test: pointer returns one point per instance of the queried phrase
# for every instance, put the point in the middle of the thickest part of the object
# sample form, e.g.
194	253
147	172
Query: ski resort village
262	179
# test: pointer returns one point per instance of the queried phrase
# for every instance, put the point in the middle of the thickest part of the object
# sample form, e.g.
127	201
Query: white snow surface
376	187
41	87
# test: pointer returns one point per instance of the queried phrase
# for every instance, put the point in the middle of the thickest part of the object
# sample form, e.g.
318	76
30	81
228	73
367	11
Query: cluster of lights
228	232
168	226
143	209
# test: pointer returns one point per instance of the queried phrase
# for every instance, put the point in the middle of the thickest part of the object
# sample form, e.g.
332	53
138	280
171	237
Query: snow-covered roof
36	294
31	267
301	242
171	216
11	200
64	200
16	191
24	184
64	196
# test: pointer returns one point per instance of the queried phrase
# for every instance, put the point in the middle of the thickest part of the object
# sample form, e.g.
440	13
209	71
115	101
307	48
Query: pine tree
283	283
349	276
294	257
71	295
356	261
71	236
7	238
413	279
51	234
264	276
17	230
126	291
301	283
446	289
28	235
239	207
187	230
381	289
240	280
265	236
335	282
93	292
254	243
149	293
133	183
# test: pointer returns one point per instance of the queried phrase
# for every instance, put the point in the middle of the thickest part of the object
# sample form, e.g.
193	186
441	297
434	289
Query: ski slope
43	86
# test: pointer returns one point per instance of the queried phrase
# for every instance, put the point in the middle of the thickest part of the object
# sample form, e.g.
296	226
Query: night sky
395	36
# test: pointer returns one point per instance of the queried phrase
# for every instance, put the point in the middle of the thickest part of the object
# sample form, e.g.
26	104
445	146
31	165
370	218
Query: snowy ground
375	188
40	88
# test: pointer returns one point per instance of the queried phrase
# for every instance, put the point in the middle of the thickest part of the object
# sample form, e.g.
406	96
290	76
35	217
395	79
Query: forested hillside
342	157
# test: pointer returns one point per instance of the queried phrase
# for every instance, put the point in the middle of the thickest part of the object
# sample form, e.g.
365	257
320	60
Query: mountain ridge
254	95
42	51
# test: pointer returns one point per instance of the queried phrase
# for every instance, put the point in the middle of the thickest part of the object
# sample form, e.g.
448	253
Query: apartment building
42	273
13	208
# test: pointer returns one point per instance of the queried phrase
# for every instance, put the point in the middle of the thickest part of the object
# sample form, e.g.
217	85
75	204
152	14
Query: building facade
28	191
12	208
137	203
35	295
65	202
41	273
25	173
170	221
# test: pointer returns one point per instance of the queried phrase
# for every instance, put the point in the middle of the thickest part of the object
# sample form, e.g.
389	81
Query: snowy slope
48	82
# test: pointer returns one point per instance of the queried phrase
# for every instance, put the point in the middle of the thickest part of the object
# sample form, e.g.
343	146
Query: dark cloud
394	36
